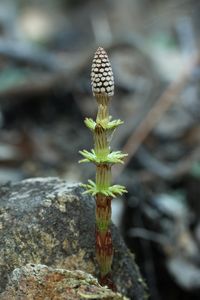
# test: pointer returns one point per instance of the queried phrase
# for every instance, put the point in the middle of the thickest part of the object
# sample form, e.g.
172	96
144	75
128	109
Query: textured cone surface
102	75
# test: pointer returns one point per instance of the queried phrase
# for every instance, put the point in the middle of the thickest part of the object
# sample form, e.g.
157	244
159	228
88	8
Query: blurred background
46	50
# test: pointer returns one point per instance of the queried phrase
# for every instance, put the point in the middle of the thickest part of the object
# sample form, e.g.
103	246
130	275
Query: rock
42	282
46	221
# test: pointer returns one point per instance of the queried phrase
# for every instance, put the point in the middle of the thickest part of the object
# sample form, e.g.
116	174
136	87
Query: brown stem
103	213
104	246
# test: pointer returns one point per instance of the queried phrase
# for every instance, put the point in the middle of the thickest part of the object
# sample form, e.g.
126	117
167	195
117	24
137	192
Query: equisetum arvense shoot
103	158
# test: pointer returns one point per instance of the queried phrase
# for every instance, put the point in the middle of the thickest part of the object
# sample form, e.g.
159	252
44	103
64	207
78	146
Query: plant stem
104	158
104	247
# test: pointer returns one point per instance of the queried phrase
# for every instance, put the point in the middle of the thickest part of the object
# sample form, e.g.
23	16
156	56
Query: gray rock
41	282
46	221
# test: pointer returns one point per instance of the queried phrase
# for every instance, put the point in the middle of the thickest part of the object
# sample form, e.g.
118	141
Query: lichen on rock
46	221
41	282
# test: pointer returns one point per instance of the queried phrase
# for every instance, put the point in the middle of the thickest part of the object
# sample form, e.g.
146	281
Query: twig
167	99
42	82
168	170
36	84
27	53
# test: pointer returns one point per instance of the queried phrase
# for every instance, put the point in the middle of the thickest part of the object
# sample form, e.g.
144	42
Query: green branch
112	191
107	125
113	157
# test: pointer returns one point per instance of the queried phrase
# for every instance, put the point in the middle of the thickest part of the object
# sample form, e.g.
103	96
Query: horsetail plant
103	157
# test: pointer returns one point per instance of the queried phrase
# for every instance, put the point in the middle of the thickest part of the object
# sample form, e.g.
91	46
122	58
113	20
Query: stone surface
46	221
41	282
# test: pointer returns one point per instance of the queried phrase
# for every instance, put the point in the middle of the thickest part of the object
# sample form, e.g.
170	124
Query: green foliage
107	125
112	191
111	158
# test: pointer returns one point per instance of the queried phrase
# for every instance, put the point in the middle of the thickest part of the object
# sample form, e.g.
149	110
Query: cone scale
103	127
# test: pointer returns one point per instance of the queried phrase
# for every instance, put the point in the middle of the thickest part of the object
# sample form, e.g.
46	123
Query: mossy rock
41	282
47	221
